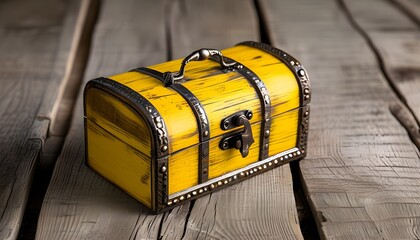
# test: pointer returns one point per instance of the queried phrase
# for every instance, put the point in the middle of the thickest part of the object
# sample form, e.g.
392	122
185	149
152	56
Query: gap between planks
400	110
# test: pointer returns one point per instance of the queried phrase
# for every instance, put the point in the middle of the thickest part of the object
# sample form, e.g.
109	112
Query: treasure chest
174	132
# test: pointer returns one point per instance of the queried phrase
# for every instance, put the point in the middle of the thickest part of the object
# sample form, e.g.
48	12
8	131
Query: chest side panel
117	144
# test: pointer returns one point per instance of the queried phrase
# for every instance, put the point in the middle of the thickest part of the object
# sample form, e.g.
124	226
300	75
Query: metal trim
265	101
200	115
298	70
234	177
157	128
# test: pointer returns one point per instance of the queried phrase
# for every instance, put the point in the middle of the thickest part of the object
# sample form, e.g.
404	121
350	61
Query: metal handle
199	55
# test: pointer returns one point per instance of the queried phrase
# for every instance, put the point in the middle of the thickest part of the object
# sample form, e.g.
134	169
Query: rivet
303	151
164	148
242	174
292	63
265	166
290	155
194	193
263	89
267	133
163	169
251	172
259	168
269	164
169	203
200	191
225	182
230	179
182	198
247	173
286	157
206	133
159	125
226	125
175	200
306	90
212	186
276	161
266	146
306	96
306	114
257	81
255	169
302	72
150	110
188	195
235	177
240	66
219	183
205	189
298	152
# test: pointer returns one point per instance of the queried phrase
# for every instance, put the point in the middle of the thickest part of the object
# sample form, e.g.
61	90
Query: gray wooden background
360	180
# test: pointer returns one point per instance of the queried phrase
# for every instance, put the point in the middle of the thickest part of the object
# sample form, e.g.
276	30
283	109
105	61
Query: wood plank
81	204
395	38
34	40
243	211
361	174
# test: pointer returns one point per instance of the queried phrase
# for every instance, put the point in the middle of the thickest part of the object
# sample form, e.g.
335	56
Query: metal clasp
242	140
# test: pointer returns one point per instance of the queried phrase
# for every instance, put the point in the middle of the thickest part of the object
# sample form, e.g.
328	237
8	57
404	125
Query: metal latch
242	140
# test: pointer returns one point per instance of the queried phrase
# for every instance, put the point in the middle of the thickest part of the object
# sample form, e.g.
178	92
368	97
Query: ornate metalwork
234	177
199	55
292	63
201	117
265	101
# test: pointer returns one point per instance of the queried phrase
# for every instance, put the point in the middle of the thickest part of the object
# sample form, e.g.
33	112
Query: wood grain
395	41
262	207
35	47
81	204
361	173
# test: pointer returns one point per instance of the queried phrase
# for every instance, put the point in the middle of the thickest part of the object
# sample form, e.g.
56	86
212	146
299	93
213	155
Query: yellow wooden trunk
165	137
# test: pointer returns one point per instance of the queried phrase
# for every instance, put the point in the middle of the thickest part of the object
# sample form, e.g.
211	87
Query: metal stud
219	183
265	166
242	174
175	200
269	164
182	198
267	133
212	186
188	195
235	177
164	148
298	152
306	90
159	125
240	66
292	63
276	161
205	189
302	72
306	114
200	191
259	168
163	169
206	133
194	193
281	158
251	172
170	203
290	155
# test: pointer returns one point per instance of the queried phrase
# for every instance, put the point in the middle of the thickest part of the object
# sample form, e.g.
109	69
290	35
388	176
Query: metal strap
265	101
200	115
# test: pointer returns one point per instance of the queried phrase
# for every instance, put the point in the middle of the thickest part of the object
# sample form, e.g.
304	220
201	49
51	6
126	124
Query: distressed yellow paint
221	94
119	163
118	118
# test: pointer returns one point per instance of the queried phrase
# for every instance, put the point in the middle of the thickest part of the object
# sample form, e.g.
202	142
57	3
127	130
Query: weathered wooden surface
81	204
361	174
34	50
